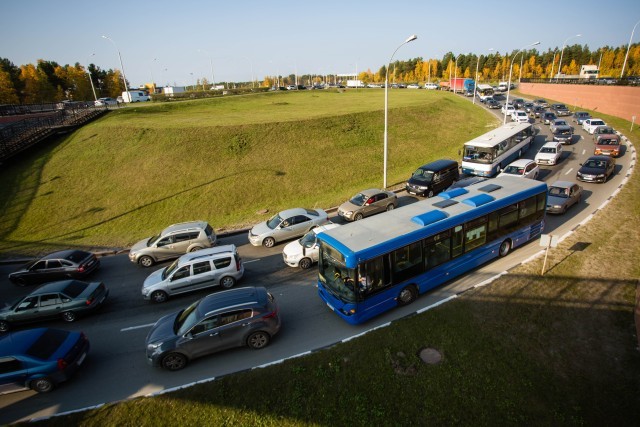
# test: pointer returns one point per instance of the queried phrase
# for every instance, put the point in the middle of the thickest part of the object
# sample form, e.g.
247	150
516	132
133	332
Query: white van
304	252
135	96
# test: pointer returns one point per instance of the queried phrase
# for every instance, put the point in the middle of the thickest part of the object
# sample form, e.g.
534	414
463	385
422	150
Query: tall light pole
124	77
624	64
475	86
509	84
552	64
90	79
562	53
213	82
386	107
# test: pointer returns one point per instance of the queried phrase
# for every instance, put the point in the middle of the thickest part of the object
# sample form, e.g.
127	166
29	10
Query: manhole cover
430	356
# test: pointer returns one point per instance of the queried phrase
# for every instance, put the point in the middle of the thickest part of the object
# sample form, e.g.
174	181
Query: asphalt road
116	368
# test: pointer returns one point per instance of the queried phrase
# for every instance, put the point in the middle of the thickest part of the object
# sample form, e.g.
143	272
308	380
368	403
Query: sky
178	42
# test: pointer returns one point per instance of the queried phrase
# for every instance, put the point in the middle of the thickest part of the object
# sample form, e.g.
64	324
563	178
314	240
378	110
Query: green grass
131	173
526	350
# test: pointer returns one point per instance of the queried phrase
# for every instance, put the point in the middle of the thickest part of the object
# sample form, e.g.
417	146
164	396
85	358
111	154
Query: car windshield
478	155
186	319
515	170
359	199
560	123
608	142
597	123
548	150
152	240
423	175
169	270
274	221
559	192
596	164
308	240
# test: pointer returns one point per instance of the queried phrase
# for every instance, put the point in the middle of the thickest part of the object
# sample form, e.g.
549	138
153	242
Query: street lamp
509	84
562	52
90	79
213	82
475	88
386	107
124	77
552	64
624	64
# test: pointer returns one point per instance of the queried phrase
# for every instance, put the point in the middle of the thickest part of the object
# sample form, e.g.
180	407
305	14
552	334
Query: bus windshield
335	276
477	154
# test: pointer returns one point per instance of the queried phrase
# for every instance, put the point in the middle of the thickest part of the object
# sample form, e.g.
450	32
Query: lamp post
124	77
90	79
213	82
386	107
552	64
624	64
509	84
475	89
562	53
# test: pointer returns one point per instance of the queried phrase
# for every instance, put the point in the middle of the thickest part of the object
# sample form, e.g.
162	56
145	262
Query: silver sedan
366	203
562	195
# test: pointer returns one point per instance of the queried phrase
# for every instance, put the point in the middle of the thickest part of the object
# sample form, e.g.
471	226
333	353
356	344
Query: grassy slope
130	174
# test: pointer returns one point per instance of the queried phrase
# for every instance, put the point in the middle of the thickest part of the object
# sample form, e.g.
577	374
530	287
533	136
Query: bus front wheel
505	247
407	295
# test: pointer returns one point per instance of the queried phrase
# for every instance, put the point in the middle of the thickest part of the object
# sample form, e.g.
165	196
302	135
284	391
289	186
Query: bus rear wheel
407	295
505	247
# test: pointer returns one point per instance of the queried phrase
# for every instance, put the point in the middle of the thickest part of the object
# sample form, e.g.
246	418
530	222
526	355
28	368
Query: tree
8	94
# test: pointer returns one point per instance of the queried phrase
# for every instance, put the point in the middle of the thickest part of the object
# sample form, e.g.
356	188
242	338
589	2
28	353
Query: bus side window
407	262
437	253
372	275
458	238
475	233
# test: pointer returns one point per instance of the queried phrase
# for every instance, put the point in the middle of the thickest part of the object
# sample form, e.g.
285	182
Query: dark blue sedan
39	359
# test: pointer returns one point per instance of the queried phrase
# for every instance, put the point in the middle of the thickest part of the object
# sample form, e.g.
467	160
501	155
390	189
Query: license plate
82	358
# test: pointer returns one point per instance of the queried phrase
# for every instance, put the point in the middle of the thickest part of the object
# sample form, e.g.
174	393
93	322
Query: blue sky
177	42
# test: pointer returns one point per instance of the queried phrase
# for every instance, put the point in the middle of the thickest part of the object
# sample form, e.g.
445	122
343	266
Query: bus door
374	283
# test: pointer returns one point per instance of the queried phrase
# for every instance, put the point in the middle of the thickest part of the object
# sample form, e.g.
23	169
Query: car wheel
305	263
357	217
41	385
390	208
430	194
4	326
227	282
258	340
268	242
174	361
69	316
407	295
505	247
159	296
146	261
195	248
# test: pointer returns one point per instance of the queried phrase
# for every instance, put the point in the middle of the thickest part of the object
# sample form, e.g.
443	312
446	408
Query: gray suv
233	318
219	266
173	241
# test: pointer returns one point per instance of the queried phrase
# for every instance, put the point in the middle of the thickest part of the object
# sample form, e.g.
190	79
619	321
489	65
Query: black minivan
430	179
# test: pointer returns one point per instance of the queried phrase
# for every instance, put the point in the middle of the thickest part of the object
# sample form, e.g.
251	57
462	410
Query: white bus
485	91
488	154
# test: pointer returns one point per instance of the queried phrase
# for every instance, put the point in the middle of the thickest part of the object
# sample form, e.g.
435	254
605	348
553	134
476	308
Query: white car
304	251
549	154
508	109
286	225
590	125
520	116
524	168
413	86
431	86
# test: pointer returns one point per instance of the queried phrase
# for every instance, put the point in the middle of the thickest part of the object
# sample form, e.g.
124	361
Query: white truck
135	96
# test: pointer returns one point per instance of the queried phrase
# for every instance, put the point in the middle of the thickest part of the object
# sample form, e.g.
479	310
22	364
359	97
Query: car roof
328	226
521	162
185	226
292	212
371	192
563	184
551	144
18	342
232	298
56	286
61	254
204	253
438	165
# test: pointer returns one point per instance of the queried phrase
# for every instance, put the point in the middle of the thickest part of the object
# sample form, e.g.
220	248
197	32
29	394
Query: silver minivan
173	241
219	266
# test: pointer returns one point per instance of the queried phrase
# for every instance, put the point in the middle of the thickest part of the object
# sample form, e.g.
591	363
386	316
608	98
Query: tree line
47	81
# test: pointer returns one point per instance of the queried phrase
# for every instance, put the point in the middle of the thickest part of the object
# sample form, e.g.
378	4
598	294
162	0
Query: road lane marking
568	172
137	327
251	260
583	151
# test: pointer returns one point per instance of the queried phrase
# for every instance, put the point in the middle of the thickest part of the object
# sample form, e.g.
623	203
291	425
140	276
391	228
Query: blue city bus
370	266
488	154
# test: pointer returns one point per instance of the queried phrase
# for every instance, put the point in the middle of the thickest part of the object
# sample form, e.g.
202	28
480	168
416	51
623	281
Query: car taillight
271	315
89	300
81	269
62	364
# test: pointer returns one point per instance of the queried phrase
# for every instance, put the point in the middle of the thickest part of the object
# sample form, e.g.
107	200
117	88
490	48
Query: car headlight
349	213
557	207
153	347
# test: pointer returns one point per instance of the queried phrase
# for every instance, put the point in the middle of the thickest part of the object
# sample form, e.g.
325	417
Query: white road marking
583	151
569	171
251	260
136	327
